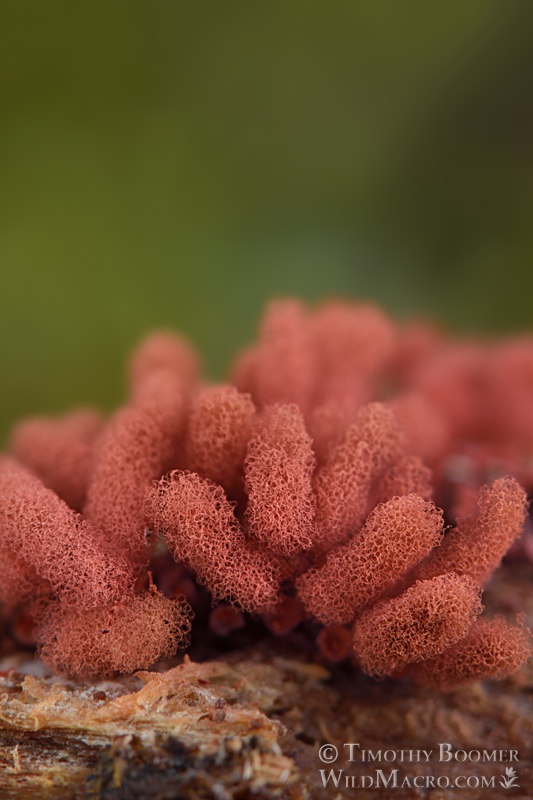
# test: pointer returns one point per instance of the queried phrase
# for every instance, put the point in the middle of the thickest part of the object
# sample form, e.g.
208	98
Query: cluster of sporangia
301	492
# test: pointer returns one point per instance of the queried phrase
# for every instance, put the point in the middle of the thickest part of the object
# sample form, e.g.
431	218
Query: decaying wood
250	726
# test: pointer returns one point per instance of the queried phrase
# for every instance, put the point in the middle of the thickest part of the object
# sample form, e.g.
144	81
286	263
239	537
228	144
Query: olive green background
168	164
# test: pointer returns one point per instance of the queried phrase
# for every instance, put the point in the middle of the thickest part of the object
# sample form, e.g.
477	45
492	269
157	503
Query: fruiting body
306	492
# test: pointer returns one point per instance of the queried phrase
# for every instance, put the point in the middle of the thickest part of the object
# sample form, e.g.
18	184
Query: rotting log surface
250	727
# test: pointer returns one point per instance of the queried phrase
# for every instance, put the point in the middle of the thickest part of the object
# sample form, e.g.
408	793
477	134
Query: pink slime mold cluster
355	478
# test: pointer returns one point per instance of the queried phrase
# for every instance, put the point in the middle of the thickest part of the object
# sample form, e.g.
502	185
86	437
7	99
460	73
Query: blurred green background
169	164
